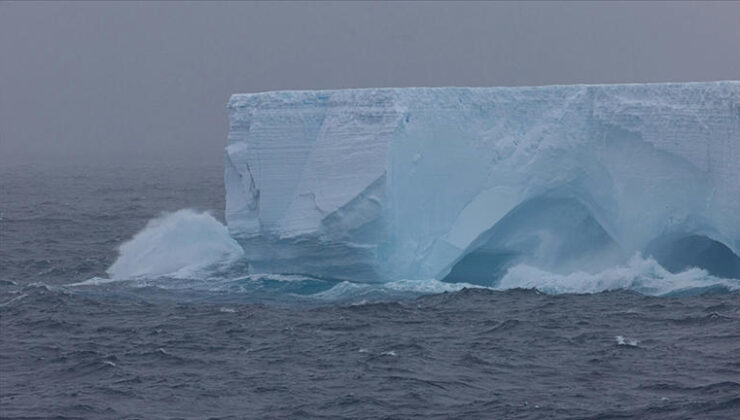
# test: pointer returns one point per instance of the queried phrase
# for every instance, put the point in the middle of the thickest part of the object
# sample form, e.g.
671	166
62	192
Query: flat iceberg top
434	96
453	183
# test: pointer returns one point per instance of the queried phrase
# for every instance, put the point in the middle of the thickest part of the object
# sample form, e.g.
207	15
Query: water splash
191	254
643	275
183	244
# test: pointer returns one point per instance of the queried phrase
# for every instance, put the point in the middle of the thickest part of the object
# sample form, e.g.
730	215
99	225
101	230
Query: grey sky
122	81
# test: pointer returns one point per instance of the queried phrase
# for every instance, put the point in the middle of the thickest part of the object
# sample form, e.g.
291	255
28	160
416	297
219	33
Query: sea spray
643	275
180	244
188	250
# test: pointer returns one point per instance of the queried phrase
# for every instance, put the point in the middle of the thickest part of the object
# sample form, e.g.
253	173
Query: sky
123	82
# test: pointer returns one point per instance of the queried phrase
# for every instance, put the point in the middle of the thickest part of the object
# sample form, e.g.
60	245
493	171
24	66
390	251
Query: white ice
462	184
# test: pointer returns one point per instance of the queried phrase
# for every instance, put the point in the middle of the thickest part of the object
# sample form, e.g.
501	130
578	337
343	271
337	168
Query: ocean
194	336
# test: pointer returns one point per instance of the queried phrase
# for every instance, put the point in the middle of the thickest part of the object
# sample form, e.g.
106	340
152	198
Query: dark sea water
217	343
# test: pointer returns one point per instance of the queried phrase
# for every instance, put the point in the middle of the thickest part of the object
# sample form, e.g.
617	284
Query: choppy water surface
207	340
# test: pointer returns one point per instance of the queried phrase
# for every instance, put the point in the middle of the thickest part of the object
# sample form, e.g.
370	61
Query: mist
123	82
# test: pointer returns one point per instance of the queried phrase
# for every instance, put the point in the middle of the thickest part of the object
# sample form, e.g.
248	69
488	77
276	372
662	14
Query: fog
123	82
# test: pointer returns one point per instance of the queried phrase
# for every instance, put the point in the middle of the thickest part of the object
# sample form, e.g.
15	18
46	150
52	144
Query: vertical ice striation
460	183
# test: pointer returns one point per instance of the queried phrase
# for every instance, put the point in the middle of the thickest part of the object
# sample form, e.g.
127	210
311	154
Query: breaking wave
643	275
183	244
191	251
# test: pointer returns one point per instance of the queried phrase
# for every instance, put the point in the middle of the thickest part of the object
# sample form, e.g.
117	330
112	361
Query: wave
188	251
183	244
643	275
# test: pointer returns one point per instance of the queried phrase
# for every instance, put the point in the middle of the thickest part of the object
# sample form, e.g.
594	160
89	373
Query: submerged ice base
461	184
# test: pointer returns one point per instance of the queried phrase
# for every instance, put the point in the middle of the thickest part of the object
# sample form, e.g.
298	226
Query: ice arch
555	233
677	252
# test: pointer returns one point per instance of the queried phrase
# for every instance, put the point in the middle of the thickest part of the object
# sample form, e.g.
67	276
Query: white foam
95	281
346	289
623	341
17	298
640	274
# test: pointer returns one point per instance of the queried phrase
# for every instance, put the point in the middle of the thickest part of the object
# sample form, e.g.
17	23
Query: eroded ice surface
463	183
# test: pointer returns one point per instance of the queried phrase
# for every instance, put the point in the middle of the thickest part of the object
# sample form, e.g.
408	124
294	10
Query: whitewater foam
623	341
399	288
95	281
643	275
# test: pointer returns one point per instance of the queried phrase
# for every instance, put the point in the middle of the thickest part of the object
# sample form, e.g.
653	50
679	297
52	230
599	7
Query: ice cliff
461	183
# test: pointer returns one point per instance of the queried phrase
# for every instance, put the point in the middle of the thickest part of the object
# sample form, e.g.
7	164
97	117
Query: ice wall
383	184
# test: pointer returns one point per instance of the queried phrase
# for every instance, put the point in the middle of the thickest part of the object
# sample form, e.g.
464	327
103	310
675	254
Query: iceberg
461	184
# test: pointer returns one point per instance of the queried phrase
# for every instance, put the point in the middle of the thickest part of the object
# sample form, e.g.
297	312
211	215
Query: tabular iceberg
460	183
